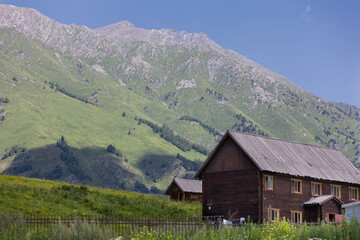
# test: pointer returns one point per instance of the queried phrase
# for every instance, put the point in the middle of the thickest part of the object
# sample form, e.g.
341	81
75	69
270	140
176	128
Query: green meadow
42	197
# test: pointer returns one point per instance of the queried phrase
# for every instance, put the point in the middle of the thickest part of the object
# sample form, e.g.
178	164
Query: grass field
33	196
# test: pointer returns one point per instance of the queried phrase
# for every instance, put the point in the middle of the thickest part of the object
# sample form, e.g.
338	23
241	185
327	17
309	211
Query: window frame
277	210
272	182
317	183
298	181
193	196
293	212
357	195
337	186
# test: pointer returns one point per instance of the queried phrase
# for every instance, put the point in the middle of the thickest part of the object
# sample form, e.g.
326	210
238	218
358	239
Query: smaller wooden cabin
185	190
325	207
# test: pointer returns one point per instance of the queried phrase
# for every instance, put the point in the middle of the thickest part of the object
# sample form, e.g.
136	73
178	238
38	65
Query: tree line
210	129
57	87
71	161
15	150
244	125
188	164
168	134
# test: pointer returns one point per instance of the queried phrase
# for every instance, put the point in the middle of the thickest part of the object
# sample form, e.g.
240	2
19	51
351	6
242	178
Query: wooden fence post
149	225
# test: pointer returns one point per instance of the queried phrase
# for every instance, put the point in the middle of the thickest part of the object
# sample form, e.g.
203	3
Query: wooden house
185	190
268	179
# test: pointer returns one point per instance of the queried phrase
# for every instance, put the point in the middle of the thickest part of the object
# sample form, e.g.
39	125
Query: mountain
162	98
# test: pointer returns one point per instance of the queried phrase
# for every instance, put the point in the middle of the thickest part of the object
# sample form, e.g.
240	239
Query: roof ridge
283	140
187	179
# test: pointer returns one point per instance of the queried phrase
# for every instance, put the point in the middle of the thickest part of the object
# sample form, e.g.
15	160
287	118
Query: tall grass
276	231
15	228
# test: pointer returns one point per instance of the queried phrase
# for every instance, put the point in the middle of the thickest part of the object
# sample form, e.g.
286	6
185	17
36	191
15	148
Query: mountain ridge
15	16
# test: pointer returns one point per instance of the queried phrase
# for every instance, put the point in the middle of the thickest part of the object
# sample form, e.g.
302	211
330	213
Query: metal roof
296	159
186	185
320	200
352	204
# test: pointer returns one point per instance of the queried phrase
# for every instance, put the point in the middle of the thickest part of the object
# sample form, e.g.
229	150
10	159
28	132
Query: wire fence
120	225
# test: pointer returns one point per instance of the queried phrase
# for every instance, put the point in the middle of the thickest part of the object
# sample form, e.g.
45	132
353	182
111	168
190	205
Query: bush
14	151
112	149
4	100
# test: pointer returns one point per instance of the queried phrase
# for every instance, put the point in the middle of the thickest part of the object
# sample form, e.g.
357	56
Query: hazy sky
315	44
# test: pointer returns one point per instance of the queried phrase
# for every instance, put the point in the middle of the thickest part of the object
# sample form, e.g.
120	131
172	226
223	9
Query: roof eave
168	190
247	154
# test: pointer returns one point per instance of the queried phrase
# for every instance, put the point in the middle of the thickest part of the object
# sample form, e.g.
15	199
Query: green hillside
37	115
162	106
40	197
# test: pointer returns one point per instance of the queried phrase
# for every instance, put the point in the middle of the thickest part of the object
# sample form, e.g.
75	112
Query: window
336	190
273	214
315	189
296	186
269	182
354	194
296	216
193	196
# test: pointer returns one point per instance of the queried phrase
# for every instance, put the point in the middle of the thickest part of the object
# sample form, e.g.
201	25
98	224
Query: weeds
15	228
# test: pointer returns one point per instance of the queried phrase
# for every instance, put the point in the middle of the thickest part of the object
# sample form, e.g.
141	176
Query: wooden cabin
268	179
323	207
185	190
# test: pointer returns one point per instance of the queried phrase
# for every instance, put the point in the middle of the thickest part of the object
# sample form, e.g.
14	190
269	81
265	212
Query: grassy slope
33	196
37	115
278	109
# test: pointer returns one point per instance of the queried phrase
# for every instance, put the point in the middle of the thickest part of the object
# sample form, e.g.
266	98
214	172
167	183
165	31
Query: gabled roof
321	200
186	185
296	159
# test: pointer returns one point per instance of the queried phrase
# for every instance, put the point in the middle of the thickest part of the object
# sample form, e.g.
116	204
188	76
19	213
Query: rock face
46	30
81	41
126	31
188	74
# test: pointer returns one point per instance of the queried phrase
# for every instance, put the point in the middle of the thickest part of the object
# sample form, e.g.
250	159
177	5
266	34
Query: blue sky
315	44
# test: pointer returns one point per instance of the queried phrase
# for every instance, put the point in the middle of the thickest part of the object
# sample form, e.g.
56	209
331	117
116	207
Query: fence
121	225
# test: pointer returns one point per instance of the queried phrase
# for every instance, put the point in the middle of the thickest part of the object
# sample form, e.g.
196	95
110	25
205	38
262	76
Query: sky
315	44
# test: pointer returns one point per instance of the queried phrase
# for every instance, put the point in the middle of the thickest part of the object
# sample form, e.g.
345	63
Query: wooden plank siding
282	198
176	193
233	194
231	184
330	208
229	157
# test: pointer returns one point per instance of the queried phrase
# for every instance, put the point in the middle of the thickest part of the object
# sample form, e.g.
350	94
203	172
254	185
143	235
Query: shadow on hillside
157	166
89	166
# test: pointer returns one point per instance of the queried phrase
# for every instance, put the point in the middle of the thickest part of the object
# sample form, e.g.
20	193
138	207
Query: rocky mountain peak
126	31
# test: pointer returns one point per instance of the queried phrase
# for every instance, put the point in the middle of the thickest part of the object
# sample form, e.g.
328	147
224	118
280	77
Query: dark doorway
331	217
